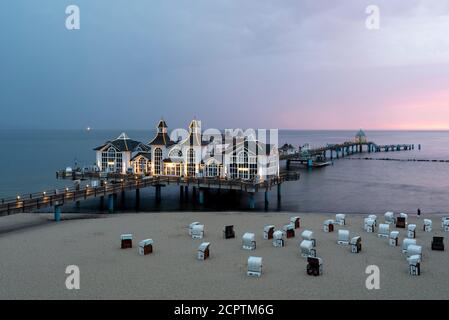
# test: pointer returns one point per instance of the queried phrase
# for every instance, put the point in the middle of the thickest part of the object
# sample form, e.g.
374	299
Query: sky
287	64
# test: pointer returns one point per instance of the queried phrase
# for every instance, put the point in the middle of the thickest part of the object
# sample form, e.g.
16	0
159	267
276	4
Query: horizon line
283	129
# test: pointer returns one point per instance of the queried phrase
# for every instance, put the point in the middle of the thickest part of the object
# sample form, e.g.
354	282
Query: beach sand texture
33	260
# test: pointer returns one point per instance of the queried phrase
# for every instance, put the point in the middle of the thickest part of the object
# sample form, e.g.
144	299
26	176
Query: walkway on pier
336	151
112	184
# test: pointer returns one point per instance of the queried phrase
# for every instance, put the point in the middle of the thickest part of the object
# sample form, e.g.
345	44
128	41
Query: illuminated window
212	169
252	167
191	162
142	165
243	166
157	161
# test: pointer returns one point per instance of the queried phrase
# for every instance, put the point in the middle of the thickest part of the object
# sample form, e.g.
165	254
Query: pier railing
114	183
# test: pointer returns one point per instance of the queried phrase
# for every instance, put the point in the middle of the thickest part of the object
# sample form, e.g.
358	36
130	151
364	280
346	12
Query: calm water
30	158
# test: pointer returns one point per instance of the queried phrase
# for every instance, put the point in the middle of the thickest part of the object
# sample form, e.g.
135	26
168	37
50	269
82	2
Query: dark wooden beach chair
228	232
438	244
400	222
290	233
126	244
314	266
126	241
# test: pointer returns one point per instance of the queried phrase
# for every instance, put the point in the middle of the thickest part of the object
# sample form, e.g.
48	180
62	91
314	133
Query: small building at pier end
360	137
195	154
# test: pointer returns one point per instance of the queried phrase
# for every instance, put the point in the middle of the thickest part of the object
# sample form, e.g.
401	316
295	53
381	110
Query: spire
194	125
162	126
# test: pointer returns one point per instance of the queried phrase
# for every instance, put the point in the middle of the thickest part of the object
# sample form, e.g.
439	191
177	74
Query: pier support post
122	198
101	203
201	196
266	198
111	203
137	199
158	193
279	192
252	202
57	213
181	192
77	203
309	163
194	193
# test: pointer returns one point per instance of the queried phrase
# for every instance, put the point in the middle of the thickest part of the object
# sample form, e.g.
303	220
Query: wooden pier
313	157
111	184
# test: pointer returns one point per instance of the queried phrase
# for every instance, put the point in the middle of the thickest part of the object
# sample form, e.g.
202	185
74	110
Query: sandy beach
33	259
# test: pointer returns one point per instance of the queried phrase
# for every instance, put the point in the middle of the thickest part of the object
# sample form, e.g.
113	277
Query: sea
30	158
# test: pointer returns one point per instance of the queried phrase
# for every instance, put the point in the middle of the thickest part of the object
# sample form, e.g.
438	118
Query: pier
318	156
112	184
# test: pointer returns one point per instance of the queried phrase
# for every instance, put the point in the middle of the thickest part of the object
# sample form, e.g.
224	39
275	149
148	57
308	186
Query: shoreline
37	258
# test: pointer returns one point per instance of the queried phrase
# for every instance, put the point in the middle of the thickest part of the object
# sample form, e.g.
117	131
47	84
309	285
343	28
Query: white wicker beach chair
308	235
394	238
356	244
414	249
370	225
203	251
414	265
254	267
197	231
343	237
191	227
307	249
406	243
268	232
411	231
340	218
249	241
389	217
427	226
328	226
296	221
446	225
443	219
384	230
373	217
278	238
145	247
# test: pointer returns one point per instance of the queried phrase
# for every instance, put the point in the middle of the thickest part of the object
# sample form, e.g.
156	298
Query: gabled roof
146	155
122	143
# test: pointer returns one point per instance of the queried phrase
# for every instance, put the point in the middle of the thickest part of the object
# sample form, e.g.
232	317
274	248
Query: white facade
227	157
